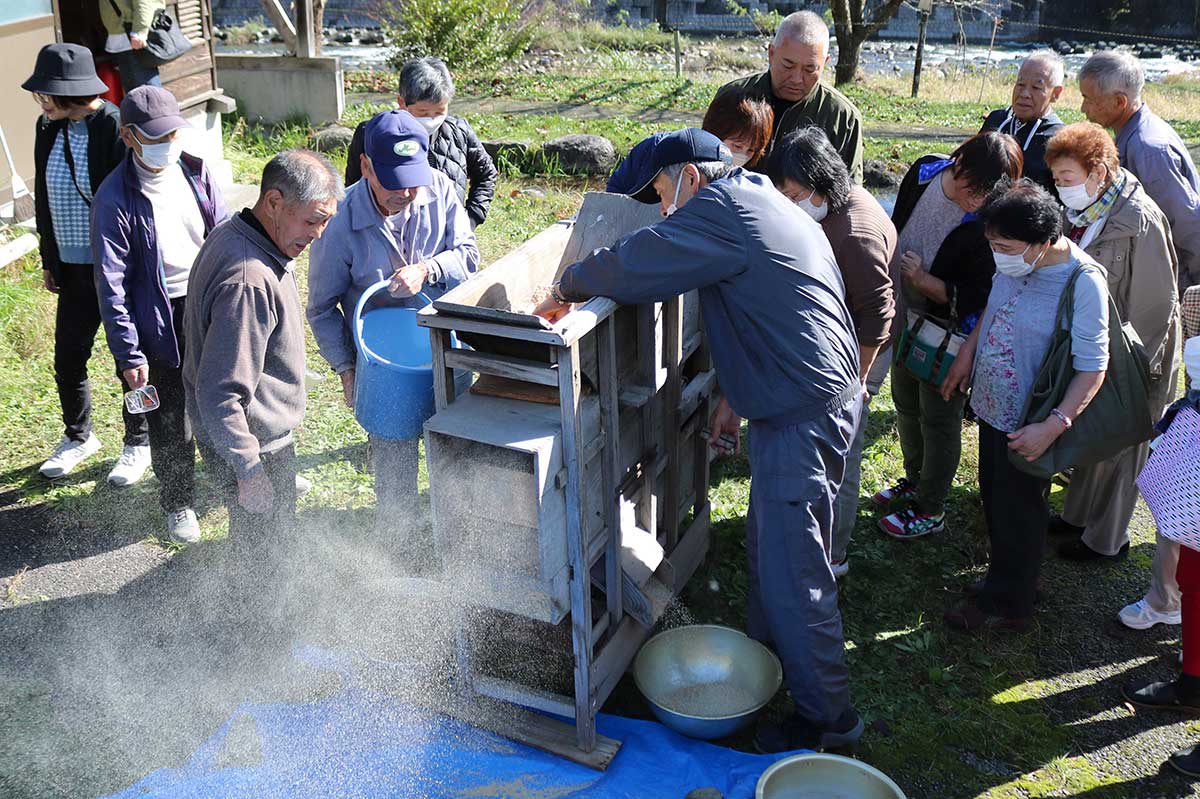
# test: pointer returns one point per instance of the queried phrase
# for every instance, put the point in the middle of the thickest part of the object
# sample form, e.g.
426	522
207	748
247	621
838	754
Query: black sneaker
797	732
1080	552
1182	694
1060	528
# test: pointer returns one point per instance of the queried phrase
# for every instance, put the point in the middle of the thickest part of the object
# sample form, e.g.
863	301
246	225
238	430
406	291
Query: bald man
792	85
1030	118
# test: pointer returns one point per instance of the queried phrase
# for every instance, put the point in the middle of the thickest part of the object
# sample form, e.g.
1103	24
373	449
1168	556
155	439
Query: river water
878	58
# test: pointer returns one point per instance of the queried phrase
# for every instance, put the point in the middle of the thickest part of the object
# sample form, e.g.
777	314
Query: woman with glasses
76	145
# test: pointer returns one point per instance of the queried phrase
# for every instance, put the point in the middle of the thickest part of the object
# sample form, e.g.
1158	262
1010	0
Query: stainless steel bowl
821	776
706	681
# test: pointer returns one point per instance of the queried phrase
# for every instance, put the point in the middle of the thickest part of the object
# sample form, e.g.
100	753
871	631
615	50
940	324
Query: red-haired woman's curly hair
1087	143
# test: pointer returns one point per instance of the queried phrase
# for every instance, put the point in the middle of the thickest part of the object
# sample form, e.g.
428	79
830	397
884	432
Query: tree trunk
846	69
852	30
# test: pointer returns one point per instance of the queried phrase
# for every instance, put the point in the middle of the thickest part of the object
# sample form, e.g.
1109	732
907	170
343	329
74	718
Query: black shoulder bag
165	42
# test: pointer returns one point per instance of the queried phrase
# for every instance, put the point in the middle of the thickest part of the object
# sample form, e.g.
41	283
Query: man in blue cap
783	343
403	220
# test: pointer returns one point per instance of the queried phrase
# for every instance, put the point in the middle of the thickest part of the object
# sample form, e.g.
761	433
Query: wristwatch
557	295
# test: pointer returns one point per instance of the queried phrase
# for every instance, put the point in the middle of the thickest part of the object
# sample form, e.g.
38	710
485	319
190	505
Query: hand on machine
554	307
724	433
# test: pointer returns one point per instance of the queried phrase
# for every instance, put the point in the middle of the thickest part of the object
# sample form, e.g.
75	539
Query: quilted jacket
455	151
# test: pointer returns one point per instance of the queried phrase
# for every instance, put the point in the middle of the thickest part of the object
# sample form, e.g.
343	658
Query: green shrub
466	34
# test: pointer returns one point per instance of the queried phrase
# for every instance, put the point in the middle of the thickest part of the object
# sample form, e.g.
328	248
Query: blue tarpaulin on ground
359	743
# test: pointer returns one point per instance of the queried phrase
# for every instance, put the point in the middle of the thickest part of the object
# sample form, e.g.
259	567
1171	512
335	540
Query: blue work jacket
771	293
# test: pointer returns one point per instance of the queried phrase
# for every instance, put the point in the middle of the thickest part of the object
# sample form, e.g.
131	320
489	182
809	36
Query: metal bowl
821	776
706	681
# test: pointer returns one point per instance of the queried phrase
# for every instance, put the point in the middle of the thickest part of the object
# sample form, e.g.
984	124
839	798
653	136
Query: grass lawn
1003	716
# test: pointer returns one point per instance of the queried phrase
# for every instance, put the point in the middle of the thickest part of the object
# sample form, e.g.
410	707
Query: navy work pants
797	467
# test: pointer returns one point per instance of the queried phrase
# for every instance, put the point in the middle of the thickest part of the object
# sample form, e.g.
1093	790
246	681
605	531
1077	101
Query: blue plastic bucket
393	381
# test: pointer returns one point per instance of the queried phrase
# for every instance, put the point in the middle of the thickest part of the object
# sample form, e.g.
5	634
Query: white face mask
431	124
1015	265
162	155
740	159
1191	360
672	208
817	212
1077	197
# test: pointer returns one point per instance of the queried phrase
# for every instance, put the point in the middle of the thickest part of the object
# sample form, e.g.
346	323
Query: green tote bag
1117	418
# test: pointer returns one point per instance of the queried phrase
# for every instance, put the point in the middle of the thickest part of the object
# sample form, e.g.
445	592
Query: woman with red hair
1109	214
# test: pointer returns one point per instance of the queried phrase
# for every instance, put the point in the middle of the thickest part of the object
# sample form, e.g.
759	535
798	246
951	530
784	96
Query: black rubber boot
797	732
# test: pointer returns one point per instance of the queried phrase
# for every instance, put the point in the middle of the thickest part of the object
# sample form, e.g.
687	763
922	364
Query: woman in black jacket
76	145
426	90
945	270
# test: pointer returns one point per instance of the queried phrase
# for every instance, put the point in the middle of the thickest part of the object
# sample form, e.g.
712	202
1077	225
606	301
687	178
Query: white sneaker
840	568
69	454
183	527
130	467
1140	616
303	485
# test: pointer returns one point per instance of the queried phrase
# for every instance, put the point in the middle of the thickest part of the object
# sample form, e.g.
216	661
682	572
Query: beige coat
1135	247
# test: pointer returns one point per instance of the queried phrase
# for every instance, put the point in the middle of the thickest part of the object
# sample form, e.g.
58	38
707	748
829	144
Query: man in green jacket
792	85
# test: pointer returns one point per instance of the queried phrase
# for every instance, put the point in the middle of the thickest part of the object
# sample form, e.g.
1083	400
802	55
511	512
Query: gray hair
426	79
803	27
1053	61
302	177
1115	72
711	170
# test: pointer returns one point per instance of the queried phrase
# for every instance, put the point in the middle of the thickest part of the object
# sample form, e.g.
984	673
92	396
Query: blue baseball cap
398	147
635	176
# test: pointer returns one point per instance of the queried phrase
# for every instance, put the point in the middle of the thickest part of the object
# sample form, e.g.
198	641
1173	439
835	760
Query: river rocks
332	139
581	154
876	175
511	150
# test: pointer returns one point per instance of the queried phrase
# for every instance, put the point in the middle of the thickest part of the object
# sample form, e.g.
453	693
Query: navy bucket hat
65	70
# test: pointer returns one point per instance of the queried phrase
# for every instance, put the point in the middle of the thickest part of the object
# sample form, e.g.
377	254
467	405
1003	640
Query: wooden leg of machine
606	344
443	377
570	397
672	354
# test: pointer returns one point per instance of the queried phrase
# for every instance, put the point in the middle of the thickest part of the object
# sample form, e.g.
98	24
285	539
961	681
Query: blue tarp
359	743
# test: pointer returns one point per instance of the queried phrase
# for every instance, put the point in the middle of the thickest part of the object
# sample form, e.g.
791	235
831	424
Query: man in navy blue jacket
783	344
149	219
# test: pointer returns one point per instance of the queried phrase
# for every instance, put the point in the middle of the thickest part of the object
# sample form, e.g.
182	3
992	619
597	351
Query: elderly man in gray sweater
244	367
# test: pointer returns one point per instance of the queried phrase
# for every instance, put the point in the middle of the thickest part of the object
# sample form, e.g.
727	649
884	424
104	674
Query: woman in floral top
1034	262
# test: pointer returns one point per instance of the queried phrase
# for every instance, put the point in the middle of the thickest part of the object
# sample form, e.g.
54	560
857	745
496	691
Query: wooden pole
916	84
678	56
987	69
304	29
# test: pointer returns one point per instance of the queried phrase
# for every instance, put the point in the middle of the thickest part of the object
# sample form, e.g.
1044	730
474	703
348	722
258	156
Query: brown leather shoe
969	618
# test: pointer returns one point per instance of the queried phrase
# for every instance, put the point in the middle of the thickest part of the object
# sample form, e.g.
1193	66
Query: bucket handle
356	324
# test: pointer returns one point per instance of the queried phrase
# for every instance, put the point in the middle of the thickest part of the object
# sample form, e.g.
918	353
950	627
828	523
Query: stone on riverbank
514	150
581	154
876	175
332	139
